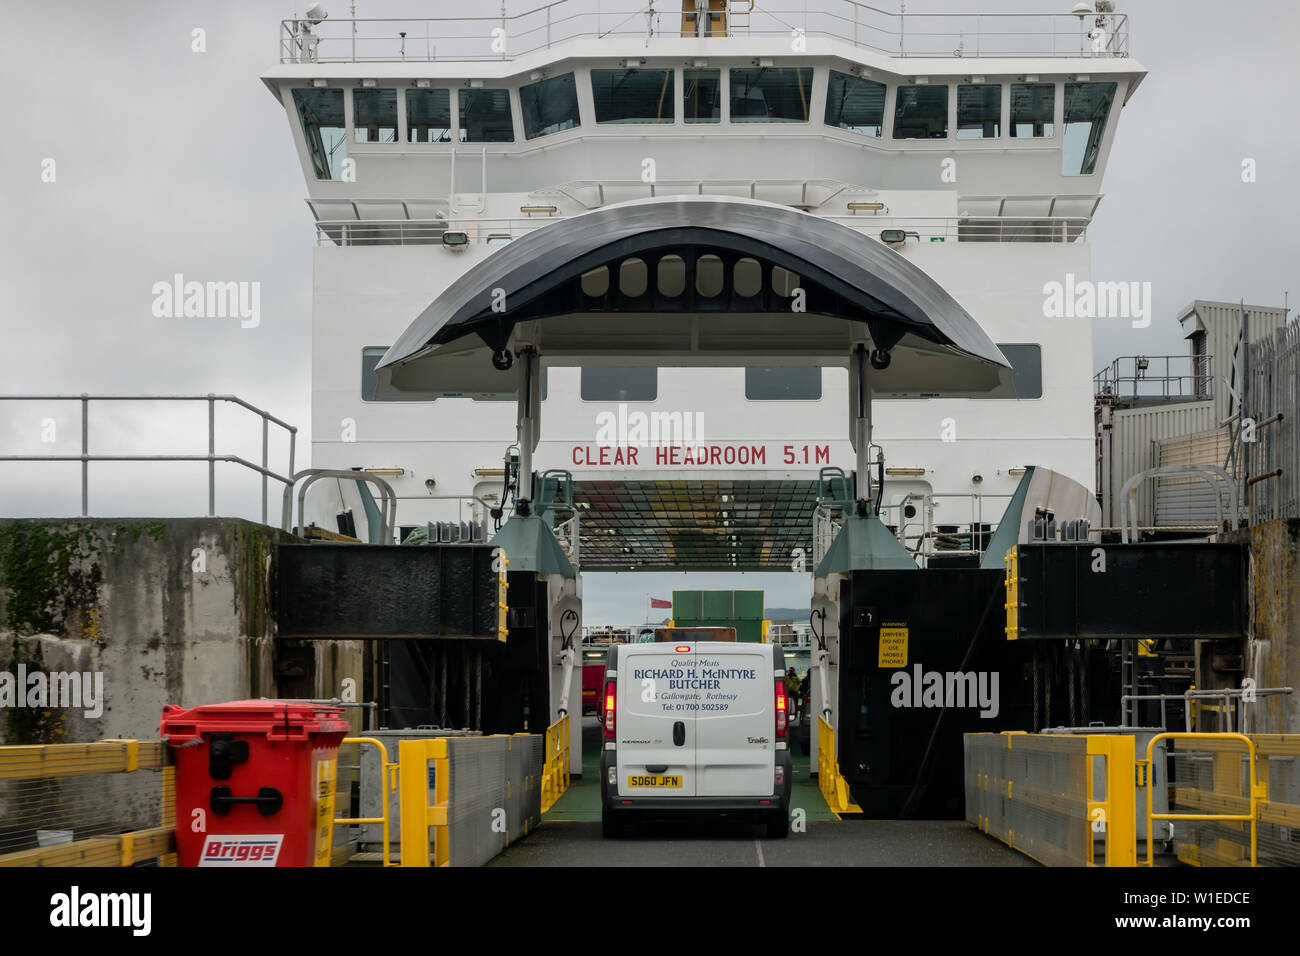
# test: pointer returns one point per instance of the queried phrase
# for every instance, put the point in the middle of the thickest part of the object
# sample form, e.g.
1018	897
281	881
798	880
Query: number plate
654	780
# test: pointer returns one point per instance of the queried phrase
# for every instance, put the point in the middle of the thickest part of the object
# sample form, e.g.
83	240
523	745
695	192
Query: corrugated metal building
1167	410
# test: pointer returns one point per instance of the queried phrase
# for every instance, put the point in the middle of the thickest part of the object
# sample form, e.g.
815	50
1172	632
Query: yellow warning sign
324	804
893	645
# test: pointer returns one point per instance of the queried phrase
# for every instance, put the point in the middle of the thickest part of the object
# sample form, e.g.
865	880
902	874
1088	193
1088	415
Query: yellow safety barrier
834	788
555	769
418	816
1226	795
387	784
1012	604
54	761
1037	793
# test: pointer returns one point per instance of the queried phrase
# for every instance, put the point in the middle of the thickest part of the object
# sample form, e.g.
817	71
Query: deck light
539	210
369	83
386	472
422	84
905	472
893	237
1015	472
868	207
319	83
455	238
476	84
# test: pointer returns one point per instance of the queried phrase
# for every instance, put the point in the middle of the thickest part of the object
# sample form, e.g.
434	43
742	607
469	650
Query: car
593	674
695	727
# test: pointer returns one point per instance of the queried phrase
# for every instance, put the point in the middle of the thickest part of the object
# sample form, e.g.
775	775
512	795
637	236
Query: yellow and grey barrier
555	770
53	762
387	784
834	788
1037	793
487	792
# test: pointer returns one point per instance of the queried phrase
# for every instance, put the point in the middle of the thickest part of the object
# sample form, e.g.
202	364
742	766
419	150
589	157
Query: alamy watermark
180	299
83	690
1084	299
648	429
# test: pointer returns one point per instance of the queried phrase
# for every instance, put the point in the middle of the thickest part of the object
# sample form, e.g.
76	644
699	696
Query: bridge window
549	105
596	282
672	276
373	390
321	112
1087	106
921	112
709	276
619	384
747	278
633	96
1032	109
702	96
771	94
855	104
783	384
633	278
784	282
374	115
979	111
428	116
485	116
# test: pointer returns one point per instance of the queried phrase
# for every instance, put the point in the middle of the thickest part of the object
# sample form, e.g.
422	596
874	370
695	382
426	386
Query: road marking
759	847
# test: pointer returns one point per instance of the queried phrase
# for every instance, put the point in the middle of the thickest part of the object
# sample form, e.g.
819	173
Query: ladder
738	13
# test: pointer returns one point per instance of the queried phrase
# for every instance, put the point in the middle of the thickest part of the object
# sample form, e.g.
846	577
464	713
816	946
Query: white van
695	726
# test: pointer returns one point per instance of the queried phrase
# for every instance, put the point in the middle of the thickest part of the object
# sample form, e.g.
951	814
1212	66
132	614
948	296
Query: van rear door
735	753
654	725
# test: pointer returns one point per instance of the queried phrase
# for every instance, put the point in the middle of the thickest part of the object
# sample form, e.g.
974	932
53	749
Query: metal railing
892	33
918	229
387	785
1253	797
1271	463
1155	377
211	457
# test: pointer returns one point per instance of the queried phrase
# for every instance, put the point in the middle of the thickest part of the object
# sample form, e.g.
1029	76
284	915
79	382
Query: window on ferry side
1033	108
549	105
485	116
1087	107
600	384
783	384
374	115
321	113
702	96
771	94
428	116
633	96
855	104
373	390
1026	371
979	111
921	112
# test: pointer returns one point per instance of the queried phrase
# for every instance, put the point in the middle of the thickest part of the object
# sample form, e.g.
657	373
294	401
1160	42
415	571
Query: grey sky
170	161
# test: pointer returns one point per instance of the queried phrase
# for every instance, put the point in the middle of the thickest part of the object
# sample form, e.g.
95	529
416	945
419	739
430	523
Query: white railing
888	32
922	229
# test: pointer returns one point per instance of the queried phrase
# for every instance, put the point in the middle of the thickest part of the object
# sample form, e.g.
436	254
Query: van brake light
610	696
781	710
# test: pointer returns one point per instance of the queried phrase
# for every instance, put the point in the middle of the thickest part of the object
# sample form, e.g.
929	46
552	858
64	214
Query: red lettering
823	454
631	456
759	455
604	455
575	455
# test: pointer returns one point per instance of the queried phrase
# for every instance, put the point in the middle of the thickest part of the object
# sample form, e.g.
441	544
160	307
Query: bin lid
276	719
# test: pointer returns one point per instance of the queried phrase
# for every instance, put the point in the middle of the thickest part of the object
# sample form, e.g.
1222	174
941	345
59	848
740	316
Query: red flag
655	602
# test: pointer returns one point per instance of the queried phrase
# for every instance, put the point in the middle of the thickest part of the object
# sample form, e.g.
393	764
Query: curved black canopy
846	277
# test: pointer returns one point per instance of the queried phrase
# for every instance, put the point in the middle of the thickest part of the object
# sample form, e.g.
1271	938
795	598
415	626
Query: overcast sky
168	161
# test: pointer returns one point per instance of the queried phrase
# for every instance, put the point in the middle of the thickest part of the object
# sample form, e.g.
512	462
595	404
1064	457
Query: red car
593	679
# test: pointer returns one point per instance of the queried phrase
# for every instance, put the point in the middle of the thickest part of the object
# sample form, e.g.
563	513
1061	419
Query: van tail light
781	709
610	687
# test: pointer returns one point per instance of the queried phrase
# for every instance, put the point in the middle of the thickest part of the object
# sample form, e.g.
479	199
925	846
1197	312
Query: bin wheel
611	825
778	827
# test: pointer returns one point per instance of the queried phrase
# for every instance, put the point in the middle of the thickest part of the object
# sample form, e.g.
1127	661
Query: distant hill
797	614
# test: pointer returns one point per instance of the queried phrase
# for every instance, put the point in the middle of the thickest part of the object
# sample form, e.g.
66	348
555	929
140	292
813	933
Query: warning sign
893	645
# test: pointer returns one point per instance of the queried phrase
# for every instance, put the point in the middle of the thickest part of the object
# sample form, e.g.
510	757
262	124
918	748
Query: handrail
1092	35
387	785
1258	792
315	474
1206	473
211	457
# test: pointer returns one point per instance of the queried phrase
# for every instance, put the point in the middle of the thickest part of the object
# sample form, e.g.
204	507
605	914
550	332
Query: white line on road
759	847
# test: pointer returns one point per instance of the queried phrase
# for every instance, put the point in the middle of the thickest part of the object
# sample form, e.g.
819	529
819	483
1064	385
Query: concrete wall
1273	654
173	611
